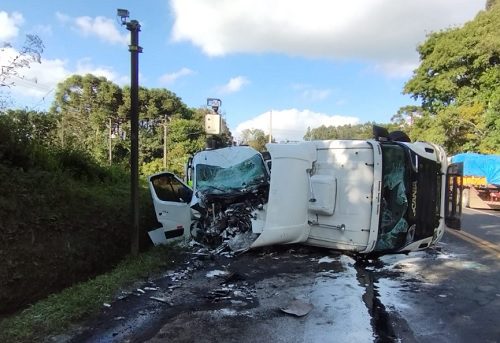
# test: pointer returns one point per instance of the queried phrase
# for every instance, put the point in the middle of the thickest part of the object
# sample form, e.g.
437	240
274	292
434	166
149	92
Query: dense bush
63	217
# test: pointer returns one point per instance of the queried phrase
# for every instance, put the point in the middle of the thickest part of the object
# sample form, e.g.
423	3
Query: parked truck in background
481	180
373	196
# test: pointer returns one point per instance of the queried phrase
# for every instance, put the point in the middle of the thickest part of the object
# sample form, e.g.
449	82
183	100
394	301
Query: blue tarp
480	165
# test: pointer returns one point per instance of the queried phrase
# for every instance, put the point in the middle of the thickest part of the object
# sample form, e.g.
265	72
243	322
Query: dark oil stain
381	323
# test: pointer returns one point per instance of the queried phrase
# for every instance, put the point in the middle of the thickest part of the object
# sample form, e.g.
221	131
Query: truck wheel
466	198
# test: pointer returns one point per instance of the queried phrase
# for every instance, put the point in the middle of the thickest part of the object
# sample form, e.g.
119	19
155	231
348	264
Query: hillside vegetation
64	218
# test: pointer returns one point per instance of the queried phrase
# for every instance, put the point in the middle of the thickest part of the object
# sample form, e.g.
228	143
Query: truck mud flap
453	200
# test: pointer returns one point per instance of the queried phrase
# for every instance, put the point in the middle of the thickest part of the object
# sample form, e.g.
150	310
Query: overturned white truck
362	196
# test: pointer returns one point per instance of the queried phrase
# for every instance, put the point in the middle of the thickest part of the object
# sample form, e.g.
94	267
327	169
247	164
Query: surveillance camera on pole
134	27
213	123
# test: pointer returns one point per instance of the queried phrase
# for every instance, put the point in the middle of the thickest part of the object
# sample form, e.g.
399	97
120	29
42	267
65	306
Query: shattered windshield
236	178
394	230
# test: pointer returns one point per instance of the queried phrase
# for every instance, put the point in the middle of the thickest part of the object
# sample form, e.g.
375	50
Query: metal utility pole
271	126
134	27
62	130
110	137
165	143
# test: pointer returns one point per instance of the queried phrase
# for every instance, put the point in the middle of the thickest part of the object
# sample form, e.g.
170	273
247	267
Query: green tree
24	137
32	126
185	137
357	131
155	103
256	138
158	106
457	82
490	4
405	117
83	106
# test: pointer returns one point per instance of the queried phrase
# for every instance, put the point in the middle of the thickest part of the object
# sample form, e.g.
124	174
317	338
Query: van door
171	198
453	201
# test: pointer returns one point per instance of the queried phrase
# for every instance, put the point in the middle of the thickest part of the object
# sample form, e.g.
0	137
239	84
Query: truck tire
466	198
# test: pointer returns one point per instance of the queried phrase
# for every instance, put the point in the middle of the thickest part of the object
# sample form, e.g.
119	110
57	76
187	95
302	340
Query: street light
134	27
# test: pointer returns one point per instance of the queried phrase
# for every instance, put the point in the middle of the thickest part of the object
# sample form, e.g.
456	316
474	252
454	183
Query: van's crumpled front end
231	189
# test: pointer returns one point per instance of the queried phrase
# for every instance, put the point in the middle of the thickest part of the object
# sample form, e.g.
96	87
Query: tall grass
54	314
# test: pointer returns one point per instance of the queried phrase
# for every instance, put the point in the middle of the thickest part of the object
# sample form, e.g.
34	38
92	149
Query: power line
41	100
31	83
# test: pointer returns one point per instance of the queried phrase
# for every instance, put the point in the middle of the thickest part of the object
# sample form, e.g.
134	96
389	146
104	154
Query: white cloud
103	28
312	94
234	85
36	80
42	78
85	66
172	77
43	30
9	25
63	18
291	124
396	69
384	32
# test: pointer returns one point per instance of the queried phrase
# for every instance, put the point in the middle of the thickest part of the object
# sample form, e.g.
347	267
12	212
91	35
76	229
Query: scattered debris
238	302
226	312
326	259
199	254
297	308
238	293
151	288
214	273
219	294
228	254
163	300
242	241
119	318
106	305
179	275
140	291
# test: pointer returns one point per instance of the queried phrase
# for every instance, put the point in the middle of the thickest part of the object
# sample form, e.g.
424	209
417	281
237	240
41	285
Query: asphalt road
450	293
483	224
459	298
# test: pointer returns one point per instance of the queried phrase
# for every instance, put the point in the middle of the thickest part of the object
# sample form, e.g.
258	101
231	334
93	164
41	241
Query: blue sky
309	62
